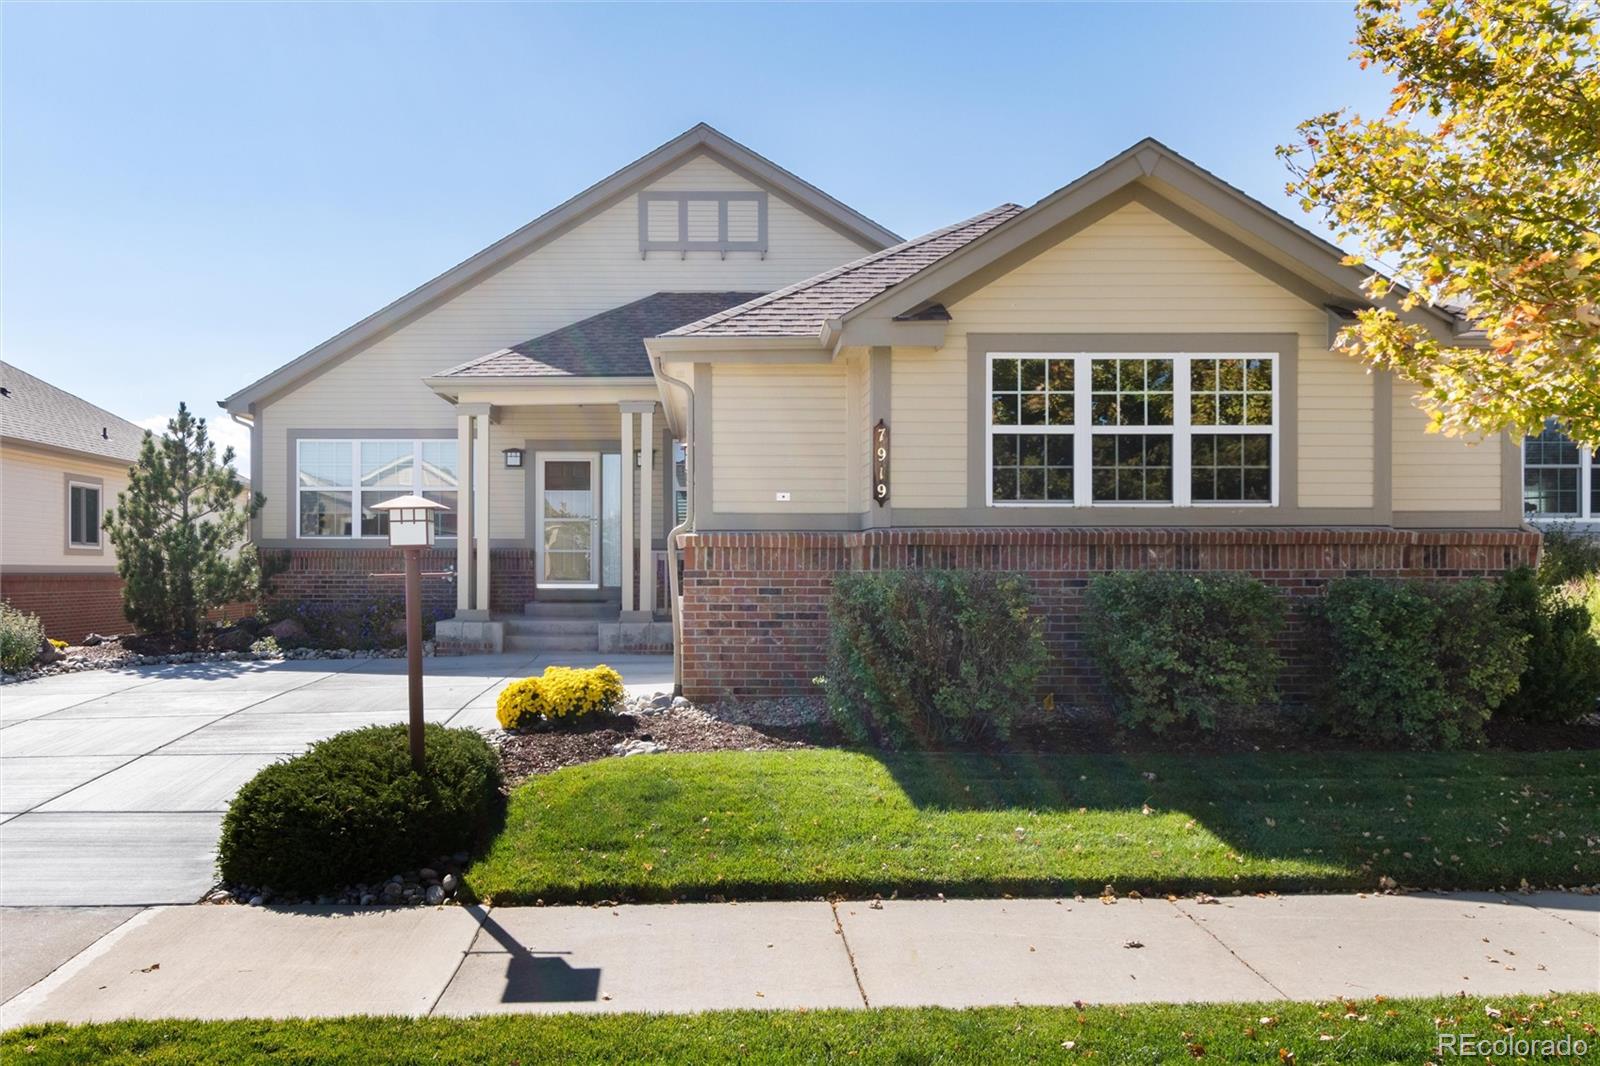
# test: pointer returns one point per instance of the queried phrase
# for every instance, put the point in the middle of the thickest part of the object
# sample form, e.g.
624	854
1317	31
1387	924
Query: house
62	462
704	358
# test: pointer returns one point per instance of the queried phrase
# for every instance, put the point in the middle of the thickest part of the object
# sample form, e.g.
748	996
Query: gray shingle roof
610	344
801	309
36	412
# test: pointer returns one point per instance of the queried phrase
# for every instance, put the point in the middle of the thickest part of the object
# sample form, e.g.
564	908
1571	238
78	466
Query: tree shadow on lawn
1299	821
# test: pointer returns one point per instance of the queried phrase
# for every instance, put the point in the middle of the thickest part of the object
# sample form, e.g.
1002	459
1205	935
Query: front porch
566	496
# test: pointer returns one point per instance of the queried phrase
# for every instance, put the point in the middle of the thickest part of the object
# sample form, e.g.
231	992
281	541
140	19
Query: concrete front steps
560	625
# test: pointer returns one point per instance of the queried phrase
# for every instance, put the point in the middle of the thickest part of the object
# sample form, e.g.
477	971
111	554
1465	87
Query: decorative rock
661	701
459	857
637	747
427	874
233	640
435	895
449	883
680	704
258	901
367	899
286	629
93	640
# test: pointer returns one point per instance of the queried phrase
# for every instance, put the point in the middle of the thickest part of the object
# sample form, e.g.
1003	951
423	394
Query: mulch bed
538	752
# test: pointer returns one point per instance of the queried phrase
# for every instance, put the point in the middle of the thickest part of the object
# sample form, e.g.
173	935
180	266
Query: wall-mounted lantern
411	530
513	458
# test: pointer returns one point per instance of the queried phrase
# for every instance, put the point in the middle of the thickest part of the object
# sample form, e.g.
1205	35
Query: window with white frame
83	515
1560	478
1163	429
339	482
680	483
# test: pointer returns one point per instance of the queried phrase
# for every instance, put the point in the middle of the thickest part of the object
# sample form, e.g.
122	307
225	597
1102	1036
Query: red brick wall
331	576
755	607
71	606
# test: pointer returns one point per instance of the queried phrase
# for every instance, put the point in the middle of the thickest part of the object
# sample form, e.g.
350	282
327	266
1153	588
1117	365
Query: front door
567	484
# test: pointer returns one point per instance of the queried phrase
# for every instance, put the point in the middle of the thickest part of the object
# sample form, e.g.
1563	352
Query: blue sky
193	195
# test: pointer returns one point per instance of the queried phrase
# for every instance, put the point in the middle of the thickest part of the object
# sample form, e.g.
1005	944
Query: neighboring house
62	462
1135	371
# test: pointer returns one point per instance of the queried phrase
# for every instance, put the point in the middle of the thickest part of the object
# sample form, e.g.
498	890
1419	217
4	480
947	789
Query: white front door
567	486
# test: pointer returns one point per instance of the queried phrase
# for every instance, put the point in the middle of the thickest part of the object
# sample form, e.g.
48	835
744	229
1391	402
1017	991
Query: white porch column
647	570
463	513
627	508
480	512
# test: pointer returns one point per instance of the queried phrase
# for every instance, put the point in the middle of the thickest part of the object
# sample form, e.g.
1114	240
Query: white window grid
355	489
1182	430
1587	478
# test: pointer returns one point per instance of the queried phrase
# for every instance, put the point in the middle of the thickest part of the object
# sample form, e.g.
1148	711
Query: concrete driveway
113	783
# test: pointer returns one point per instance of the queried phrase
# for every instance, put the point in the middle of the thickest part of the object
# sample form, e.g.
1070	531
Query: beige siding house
668	410
62	463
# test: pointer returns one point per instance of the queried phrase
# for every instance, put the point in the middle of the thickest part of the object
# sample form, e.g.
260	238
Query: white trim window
1560	478
680	483
339	482
1149	429
83	514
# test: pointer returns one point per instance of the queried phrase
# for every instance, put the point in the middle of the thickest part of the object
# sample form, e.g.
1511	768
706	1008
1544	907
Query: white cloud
222	430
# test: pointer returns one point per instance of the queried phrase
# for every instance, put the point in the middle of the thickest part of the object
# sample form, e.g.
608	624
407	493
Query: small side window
83	515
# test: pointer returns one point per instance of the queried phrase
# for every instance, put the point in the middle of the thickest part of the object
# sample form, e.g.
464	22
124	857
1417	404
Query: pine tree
180	531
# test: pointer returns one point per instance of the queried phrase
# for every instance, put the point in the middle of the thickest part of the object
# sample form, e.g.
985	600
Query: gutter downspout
681	527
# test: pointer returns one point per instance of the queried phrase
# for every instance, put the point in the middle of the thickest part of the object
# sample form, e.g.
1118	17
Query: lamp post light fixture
411	530
513	457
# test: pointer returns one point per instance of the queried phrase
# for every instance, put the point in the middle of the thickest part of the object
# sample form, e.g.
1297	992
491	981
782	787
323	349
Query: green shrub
931	657
20	637
1567	555
351	809
1417	664
564	694
1184	650
1561	680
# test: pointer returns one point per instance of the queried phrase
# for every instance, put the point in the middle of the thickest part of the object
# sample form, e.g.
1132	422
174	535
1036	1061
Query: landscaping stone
435	895
286	629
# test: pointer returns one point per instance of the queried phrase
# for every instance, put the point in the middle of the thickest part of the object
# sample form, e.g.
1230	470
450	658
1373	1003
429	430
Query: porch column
480	509
647	499
463	513
627	508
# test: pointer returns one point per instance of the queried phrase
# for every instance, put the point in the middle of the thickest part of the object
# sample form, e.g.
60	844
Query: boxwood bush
351	809
1184	650
1561	681
931	658
1417	664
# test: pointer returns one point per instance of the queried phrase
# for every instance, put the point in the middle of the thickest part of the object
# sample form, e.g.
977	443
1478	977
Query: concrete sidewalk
236	962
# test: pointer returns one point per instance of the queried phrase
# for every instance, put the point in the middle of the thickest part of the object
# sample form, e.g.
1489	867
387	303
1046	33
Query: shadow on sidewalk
538	977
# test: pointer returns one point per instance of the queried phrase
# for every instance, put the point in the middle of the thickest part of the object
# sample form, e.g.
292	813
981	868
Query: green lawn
1370	1031
814	822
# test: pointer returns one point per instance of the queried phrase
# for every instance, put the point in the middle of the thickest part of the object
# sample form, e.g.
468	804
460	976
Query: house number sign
880	462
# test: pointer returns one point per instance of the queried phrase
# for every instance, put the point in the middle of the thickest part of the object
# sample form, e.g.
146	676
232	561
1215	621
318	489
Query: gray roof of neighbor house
801	309
33	411
699	138
610	344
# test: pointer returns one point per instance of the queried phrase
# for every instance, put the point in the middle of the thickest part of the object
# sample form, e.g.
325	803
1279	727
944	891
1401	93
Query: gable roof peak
701	137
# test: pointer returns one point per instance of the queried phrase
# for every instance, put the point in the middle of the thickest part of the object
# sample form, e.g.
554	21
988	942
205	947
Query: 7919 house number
880	462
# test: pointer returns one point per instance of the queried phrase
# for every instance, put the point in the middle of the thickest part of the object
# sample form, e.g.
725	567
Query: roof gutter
688	520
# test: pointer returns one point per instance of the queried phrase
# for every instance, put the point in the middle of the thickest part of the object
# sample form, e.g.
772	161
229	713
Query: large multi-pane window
339	483
1560	479
1088	429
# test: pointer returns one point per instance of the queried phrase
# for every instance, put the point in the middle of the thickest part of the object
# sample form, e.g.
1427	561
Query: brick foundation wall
334	577
71	606
755	605
512	579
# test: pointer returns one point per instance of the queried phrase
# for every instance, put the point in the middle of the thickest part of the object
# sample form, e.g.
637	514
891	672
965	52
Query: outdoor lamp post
411	530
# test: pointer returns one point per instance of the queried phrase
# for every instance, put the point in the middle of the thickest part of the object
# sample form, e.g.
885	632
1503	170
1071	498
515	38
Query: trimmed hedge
1561	681
931	657
1184	650
1415	663
564	693
351	809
